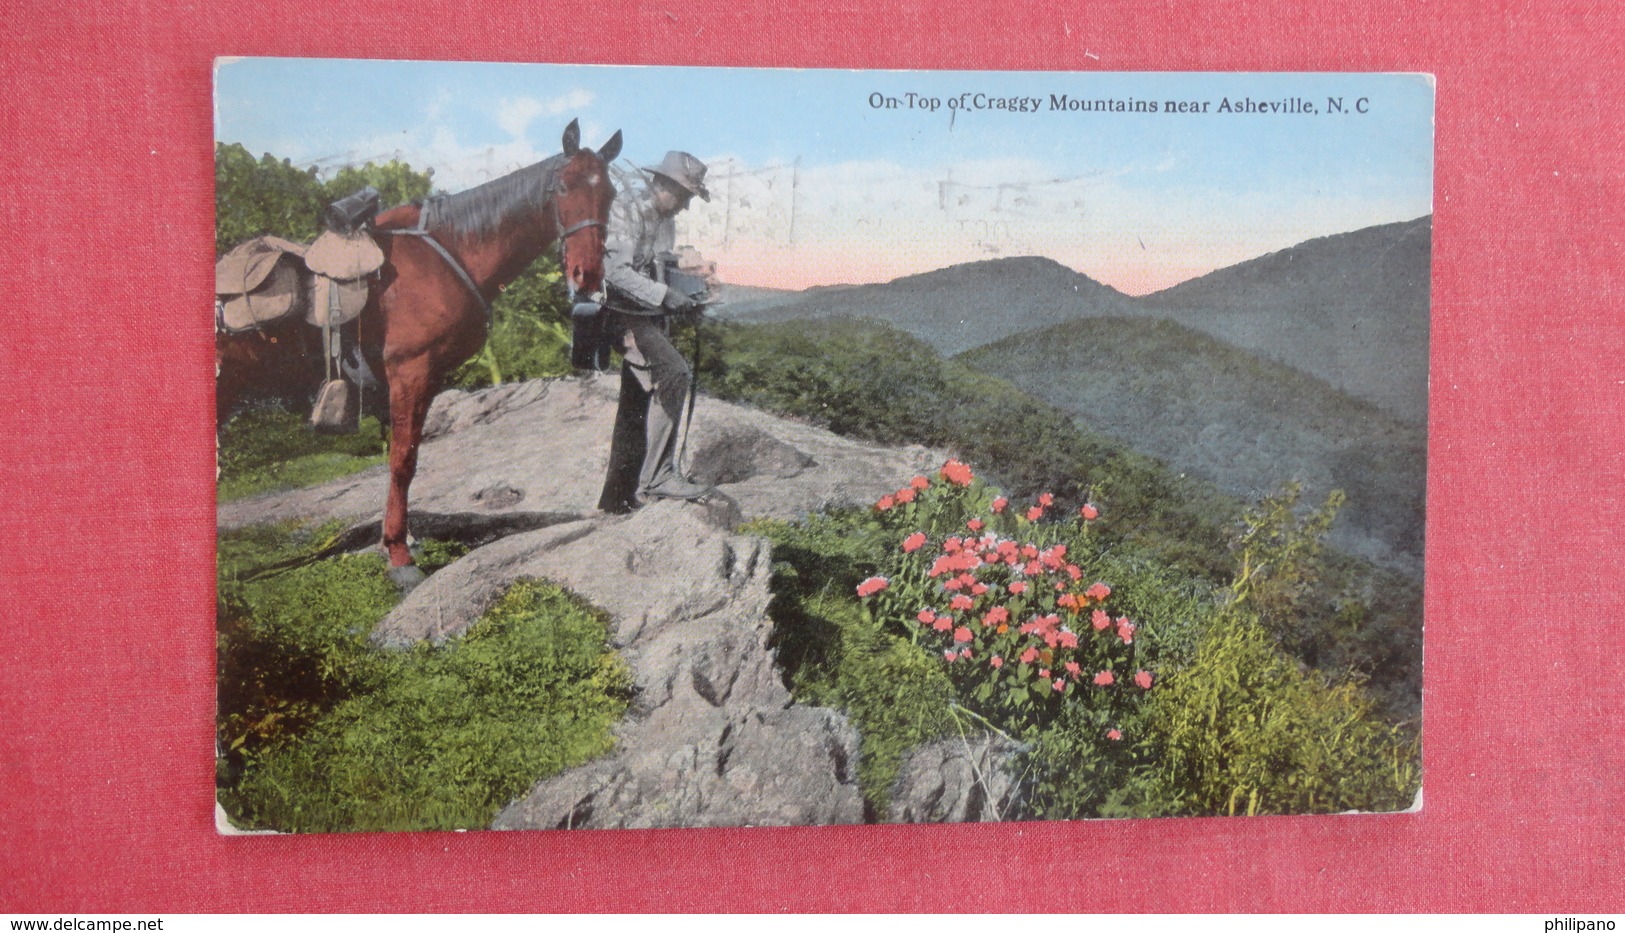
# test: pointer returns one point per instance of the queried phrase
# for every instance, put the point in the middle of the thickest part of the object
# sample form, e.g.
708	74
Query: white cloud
515	114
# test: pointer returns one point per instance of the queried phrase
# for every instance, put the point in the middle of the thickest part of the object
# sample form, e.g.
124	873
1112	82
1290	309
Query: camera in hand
668	271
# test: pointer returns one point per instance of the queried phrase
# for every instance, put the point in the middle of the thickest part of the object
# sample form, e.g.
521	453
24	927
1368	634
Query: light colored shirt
637	234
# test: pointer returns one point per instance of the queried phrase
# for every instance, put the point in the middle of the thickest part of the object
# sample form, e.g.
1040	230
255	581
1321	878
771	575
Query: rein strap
456	267
578	227
421	232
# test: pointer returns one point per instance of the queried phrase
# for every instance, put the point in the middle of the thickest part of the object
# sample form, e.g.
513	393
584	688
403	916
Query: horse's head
581	197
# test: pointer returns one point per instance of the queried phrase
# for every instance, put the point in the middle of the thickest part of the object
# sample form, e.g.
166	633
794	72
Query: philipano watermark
1574	924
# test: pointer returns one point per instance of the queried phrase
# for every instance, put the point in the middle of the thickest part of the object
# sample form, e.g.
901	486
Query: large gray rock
713	738
959	780
535	452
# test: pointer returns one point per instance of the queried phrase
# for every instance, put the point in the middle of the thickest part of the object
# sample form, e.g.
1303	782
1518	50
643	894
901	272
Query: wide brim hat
687	172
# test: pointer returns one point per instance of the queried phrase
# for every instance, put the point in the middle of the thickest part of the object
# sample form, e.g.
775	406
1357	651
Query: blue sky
815	185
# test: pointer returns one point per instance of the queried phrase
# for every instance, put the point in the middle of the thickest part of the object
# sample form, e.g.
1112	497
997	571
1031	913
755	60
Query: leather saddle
328	283
269	278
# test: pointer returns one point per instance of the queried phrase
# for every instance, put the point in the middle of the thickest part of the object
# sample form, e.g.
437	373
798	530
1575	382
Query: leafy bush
887	671
1244	730
897	614
320	731
530	332
994	590
254	197
1333	612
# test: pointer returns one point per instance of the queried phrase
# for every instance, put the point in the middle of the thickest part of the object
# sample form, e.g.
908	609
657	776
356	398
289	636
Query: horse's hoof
407	577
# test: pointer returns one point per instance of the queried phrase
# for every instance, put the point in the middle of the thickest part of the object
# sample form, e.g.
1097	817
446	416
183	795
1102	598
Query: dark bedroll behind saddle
352	213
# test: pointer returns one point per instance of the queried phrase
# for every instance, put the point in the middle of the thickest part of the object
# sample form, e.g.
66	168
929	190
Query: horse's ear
572	138
611	150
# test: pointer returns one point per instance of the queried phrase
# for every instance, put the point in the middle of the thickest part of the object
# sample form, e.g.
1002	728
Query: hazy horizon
817	179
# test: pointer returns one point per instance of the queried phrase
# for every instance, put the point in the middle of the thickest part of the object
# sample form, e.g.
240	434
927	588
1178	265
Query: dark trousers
654	384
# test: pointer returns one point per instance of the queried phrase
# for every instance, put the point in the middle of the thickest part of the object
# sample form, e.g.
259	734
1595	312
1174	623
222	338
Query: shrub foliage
1132	687
320	731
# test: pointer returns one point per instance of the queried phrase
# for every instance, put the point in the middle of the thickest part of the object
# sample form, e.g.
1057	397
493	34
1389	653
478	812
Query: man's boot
660	478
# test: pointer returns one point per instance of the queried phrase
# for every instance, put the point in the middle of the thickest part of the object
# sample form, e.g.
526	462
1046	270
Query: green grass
320	731
270	449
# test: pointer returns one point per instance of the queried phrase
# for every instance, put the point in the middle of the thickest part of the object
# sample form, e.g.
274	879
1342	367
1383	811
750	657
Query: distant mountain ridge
1350	309
1308	364
964	306
1244	423
739	301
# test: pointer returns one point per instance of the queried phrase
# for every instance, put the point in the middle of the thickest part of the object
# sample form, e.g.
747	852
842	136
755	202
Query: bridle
575	227
565	233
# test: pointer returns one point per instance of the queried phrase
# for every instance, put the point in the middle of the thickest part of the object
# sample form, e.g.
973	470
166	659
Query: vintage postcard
611	447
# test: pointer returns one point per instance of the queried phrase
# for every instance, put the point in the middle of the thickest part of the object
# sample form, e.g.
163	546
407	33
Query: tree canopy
255	197
530	335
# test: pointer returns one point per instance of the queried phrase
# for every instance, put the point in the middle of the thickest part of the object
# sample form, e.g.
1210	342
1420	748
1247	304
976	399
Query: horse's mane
480	211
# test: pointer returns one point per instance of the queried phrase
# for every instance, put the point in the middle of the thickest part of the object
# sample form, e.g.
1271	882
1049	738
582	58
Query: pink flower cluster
957	473
872	586
902	496
1003	600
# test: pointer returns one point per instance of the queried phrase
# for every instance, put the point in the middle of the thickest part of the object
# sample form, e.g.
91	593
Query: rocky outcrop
536	451
713	738
959	780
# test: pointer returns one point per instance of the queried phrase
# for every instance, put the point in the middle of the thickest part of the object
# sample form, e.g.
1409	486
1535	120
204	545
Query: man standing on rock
655	380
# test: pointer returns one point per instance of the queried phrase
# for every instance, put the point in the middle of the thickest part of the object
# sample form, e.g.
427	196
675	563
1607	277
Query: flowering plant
995	591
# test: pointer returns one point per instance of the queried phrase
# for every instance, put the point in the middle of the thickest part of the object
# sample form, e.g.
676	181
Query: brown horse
445	260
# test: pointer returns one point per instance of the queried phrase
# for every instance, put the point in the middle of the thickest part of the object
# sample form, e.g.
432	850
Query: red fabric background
106	470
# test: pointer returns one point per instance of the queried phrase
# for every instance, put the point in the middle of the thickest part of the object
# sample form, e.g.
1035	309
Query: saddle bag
259	282
589	337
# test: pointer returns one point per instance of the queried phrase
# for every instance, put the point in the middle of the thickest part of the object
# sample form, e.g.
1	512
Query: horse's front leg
410	388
